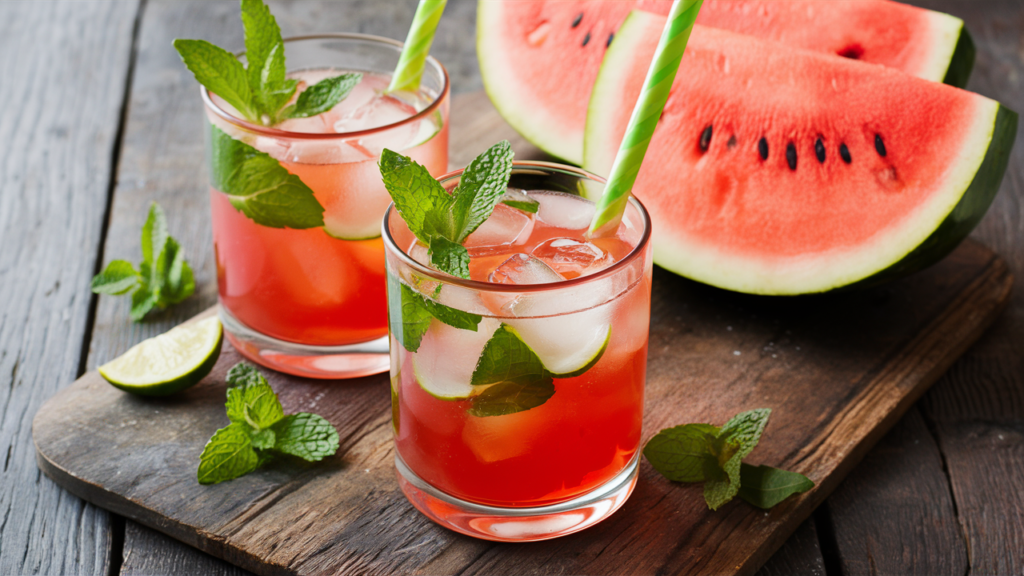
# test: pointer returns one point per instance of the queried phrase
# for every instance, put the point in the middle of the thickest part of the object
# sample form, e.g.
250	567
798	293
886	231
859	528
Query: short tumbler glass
542	472
312	302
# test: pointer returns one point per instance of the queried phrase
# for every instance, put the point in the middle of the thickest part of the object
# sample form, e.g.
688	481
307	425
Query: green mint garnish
259	428
259	90
440	220
412	323
520	200
259	187
515	376
713	455
163	278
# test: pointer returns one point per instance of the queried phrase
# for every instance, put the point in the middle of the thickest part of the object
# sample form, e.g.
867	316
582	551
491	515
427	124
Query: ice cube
524	269
572	258
447	357
505	228
564	210
420	253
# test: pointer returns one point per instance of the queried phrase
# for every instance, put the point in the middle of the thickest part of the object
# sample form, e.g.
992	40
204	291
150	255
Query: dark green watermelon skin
966	214
962	62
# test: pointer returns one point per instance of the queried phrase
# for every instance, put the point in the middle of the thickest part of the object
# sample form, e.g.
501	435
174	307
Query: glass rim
274	132
634	253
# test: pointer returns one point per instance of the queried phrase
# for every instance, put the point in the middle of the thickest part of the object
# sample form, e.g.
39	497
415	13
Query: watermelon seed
611	36
844	153
576	21
879	145
791	156
705	139
762	148
586	39
732	142
819	150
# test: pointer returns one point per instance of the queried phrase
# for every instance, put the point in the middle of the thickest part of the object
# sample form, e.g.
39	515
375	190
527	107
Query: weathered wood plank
799	556
163	161
62	83
894	513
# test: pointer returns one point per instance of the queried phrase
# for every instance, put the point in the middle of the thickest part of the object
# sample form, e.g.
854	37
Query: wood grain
62	86
838	370
800	555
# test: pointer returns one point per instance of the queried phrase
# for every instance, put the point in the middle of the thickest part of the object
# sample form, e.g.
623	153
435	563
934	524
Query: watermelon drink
310	299
549	444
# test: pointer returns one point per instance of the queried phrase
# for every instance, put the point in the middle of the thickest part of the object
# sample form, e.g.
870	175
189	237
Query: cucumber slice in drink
167	363
351	229
447	357
566	346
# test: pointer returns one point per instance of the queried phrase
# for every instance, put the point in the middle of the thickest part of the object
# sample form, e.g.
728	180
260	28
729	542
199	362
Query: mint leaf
154	233
681	454
143	299
264	52
395	406
506	358
414	191
172	275
717	492
259	187
117	278
452	316
412	319
243	375
307	436
517	378
220	72
511	397
744	431
255	405
520	201
764	486
737	438
449	257
229	454
322	96
481	187
263	439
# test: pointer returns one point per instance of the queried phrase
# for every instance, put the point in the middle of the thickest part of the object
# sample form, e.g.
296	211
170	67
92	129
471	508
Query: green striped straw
645	116
417	46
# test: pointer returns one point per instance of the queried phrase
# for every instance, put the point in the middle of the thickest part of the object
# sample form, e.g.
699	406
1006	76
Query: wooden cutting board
837	370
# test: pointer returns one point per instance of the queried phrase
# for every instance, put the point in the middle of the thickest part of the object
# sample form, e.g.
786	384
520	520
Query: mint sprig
259	187
259	428
259	91
440	220
515	377
416	311
163	278
713	455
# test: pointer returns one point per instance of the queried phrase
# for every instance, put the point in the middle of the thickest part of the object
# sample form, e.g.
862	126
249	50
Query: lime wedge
167	363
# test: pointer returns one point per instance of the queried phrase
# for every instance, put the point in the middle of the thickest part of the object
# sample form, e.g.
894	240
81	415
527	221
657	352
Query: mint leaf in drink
515	377
706	453
259	429
307	436
764	486
117	278
221	73
520	200
228	455
163	278
322	96
417	312
259	187
481	187
264	52
683	454
414	191
511	397
449	257
441	220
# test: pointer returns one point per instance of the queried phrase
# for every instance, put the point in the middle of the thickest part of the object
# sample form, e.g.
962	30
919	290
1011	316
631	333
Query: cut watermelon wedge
539	58
782	171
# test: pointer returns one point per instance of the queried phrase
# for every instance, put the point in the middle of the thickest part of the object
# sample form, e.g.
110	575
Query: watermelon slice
539	58
783	171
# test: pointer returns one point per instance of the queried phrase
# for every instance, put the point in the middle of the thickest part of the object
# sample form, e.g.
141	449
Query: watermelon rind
934	231
960	66
951	55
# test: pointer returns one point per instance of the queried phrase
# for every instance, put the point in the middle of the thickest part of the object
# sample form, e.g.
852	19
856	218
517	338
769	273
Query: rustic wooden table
99	118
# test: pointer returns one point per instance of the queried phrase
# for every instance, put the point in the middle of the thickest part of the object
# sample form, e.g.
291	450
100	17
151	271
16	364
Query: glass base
324	362
518	524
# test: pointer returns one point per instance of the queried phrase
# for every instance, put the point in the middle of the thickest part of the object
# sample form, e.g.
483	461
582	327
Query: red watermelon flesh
863	165
539	58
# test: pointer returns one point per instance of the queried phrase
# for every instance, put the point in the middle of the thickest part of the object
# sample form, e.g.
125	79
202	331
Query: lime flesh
167	363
